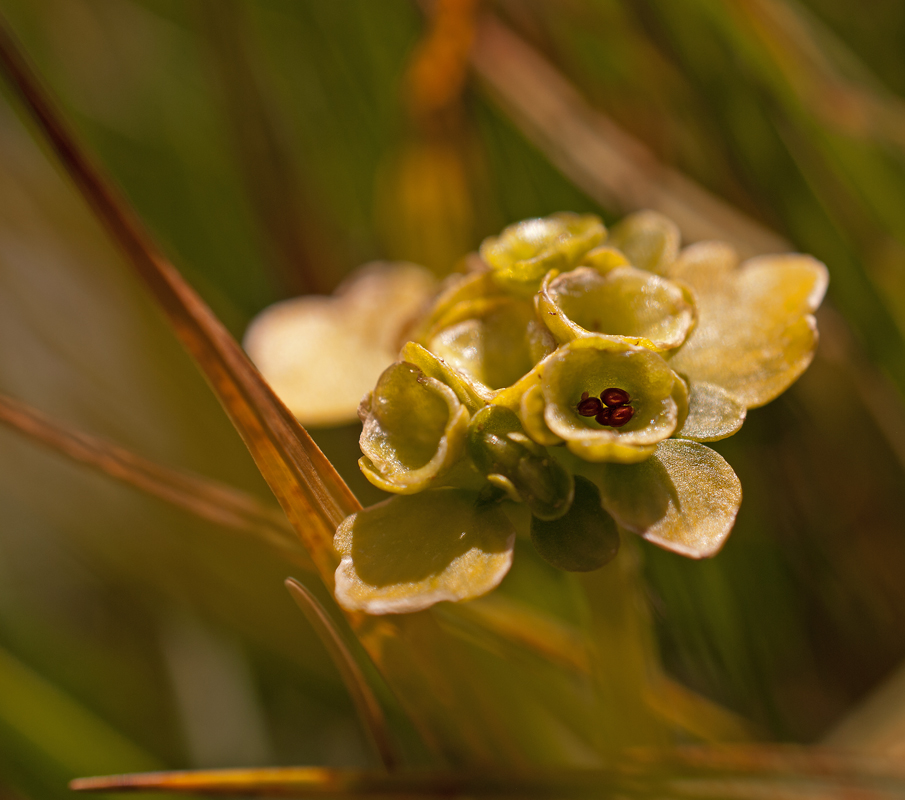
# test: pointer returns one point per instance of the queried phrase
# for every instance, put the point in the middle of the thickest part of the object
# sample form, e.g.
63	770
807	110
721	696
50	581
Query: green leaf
684	498
409	552
584	539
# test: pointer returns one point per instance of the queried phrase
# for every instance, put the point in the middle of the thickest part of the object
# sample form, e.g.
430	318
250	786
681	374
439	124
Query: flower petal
523	253
755	333
438	369
713	414
649	240
531	414
414	429
409	552
322	354
634	305
684	498
584	539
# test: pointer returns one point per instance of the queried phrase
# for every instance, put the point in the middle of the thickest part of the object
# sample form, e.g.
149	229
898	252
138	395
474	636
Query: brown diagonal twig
311	492
205	498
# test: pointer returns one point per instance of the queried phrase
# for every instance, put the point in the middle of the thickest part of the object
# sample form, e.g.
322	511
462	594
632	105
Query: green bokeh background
261	143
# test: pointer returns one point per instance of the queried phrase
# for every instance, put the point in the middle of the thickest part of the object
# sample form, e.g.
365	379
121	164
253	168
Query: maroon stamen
589	406
605	417
620	416
614	397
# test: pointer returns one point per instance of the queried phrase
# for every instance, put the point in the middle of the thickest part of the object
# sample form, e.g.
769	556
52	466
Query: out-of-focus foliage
272	147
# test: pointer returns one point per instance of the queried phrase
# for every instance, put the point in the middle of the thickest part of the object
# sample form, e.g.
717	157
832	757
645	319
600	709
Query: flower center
611	408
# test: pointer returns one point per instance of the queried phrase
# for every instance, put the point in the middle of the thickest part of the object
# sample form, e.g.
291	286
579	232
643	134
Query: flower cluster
565	386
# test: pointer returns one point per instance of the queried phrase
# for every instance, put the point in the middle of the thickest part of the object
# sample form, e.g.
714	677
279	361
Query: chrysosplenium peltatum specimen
565	386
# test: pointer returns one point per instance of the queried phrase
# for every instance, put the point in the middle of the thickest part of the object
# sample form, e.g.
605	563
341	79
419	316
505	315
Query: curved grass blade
37	716
205	498
312	493
421	663
729	773
594	153
369	711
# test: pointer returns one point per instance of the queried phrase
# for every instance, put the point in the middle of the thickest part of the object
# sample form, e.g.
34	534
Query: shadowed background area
272	147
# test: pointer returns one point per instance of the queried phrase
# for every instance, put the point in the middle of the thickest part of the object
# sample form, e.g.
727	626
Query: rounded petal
684	498
755	333
604	259
407	553
634	305
414	429
584	539
500	450
531	413
322	354
597	363
437	368
649	240
713	414
523	253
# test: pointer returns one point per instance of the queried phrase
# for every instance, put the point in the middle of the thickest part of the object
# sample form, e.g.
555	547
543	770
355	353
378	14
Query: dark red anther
589	406
605	416
620	415
614	397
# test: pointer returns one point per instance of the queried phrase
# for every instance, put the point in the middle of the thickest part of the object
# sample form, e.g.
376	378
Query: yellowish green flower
524	253
590	366
573	376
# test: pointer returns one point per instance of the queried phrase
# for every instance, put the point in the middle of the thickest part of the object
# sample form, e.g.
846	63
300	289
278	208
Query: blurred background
272	146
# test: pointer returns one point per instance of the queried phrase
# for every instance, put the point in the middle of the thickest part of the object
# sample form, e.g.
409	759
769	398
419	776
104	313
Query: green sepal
500	449
584	539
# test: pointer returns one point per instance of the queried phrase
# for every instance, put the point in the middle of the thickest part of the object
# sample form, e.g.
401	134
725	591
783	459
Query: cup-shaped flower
484	334
588	367
625	302
413	430
756	332
523	253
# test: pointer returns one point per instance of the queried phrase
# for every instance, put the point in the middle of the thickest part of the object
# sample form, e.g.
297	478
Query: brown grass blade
307	486
207	499
740	773
594	153
369	711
